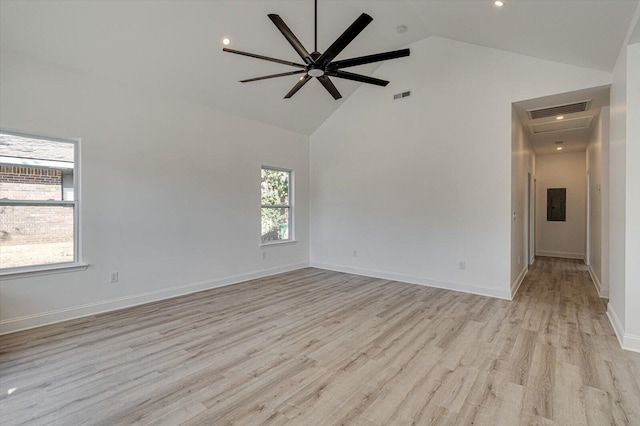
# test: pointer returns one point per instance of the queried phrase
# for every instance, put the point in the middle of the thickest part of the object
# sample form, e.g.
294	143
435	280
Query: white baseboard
603	293
631	343
562	254
515	286
465	288
627	341
38	320
615	322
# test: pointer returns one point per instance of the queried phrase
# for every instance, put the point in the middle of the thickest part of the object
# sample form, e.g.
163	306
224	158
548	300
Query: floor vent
401	95
557	110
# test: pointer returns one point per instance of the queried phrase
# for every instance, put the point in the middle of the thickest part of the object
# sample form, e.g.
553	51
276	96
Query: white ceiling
174	47
572	140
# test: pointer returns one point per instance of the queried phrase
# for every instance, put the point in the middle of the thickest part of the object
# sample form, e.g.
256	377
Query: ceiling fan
322	65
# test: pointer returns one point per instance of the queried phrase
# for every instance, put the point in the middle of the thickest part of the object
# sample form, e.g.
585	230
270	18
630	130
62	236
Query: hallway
563	322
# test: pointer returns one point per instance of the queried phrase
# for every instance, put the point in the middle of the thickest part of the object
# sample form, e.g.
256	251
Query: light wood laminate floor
315	347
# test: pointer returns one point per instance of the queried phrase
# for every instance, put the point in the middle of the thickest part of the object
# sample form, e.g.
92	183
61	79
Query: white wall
522	165
555	238
624	273
416	186
170	193
632	228
598	195
617	193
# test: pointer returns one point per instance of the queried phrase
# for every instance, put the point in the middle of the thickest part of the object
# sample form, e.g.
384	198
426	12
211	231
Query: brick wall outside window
24	225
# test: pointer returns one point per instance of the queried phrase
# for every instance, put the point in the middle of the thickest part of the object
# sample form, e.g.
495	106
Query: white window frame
76	264
290	206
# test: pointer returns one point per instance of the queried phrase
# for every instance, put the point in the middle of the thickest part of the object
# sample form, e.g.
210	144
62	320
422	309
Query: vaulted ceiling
175	47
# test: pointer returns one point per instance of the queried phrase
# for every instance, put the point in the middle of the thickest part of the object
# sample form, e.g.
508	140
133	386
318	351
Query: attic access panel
579	123
556	204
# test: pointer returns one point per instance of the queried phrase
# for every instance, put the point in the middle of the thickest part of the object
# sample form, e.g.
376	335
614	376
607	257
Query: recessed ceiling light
498	3
560	117
559	148
226	41
401	29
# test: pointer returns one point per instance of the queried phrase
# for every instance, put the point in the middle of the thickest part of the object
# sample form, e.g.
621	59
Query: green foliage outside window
276	206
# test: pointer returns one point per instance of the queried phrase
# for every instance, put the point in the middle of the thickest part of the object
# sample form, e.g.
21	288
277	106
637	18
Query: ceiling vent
554	111
401	95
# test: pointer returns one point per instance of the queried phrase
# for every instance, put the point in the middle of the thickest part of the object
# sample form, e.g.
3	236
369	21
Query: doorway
587	251
531	223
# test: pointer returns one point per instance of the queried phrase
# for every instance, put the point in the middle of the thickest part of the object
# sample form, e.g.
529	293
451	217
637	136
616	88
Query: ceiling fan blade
282	74
344	39
303	80
291	38
266	58
328	84
361	60
357	77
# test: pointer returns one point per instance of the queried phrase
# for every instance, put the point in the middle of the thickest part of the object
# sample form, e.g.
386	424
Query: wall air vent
557	110
401	95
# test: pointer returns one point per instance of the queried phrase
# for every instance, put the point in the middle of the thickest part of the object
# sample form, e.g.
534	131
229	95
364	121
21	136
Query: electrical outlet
355	253
462	265
114	277
264	254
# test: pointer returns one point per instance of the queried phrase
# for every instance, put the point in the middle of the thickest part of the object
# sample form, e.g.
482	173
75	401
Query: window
38	202
277	215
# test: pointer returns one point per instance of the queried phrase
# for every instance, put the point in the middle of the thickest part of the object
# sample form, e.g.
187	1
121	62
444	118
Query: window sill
277	243
32	271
